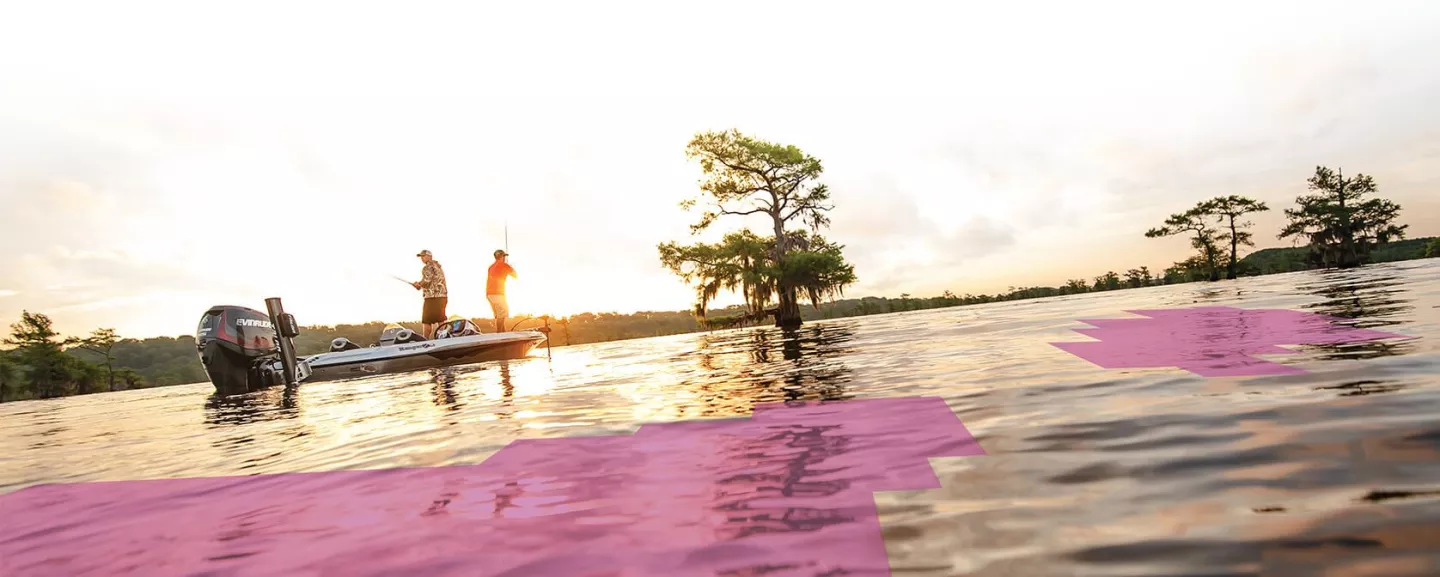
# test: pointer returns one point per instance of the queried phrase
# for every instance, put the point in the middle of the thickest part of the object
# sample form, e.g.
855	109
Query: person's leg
434	314
440	316
498	310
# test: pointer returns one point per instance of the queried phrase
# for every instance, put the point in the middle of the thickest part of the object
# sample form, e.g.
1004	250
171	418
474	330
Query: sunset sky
160	158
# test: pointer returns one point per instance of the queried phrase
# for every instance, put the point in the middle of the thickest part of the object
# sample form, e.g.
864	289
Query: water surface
1086	471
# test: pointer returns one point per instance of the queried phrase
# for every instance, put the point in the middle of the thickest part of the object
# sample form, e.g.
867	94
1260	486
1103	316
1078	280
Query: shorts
434	310
499	306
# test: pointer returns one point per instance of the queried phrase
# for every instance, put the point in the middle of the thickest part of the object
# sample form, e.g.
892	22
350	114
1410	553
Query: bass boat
243	349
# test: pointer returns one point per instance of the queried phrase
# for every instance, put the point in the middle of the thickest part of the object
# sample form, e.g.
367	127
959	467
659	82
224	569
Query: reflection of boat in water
244	349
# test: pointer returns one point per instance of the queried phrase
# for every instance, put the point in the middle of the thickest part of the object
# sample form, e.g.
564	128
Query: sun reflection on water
1088	470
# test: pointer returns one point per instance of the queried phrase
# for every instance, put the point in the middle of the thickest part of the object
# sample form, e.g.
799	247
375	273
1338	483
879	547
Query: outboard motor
456	328
242	351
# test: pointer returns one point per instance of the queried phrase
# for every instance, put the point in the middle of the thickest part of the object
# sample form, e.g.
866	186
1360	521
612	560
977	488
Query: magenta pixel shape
787	492
1210	341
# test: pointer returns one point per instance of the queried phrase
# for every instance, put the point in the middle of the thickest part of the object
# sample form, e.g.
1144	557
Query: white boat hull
399	358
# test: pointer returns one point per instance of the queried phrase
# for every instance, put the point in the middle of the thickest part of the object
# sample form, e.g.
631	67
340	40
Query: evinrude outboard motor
242	351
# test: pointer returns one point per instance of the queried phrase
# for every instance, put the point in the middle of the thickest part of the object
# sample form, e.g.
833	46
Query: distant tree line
68	367
42	364
1340	226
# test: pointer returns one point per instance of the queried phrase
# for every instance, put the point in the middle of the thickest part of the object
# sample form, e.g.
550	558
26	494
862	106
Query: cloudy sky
158	158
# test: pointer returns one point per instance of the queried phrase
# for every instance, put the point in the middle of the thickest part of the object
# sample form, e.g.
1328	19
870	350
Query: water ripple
1089	471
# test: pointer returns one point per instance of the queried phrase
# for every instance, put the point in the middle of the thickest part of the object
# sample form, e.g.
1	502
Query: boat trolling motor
244	350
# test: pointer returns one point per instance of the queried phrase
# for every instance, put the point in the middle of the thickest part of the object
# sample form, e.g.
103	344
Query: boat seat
415	337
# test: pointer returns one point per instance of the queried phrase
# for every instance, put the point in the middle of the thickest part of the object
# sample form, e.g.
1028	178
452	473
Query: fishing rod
545	318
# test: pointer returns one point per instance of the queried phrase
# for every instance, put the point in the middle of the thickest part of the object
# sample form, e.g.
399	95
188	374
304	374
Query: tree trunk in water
787	314
1349	257
1234	251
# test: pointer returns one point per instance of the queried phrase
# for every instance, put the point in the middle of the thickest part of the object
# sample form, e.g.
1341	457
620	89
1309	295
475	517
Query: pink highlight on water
1210	341
786	492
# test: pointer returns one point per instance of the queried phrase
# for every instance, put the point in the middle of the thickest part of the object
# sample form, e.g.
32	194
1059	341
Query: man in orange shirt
495	289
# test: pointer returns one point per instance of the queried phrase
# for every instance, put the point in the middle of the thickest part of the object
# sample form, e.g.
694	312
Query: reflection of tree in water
739	369
1362	387
775	471
760	346
1369	301
1207	295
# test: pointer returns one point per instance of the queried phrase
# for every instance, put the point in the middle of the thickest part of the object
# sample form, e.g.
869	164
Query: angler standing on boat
495	289
432	283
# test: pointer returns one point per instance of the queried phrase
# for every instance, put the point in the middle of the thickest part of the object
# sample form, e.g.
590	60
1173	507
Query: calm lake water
1086	470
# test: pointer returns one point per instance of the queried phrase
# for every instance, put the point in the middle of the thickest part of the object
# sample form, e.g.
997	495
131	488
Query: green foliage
1290	259
37	348
10	384
1193	269
159	361
101	342
1227	209
1276	260
747	176
737	263
1195	222
767	178
38	367
1107	282
1341	225
816	267
740	263
1138	277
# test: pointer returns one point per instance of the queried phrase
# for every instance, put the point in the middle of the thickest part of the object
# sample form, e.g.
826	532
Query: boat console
456	328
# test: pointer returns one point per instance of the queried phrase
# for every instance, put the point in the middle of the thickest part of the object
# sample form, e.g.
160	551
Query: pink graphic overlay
788	491
1210	341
